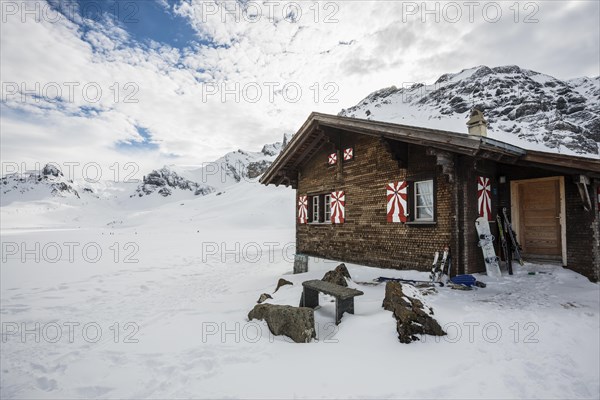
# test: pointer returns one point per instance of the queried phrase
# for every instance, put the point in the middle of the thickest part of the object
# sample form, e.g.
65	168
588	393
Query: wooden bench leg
342	306
310	298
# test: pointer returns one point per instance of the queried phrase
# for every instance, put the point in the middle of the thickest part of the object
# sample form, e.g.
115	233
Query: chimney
477	124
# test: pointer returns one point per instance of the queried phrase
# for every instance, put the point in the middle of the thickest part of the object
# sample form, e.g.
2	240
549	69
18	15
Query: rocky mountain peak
164	180
524	107
51	170
48	180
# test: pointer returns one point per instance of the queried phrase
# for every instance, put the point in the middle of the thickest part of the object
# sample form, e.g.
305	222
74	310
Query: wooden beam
315	144
570	162
398	150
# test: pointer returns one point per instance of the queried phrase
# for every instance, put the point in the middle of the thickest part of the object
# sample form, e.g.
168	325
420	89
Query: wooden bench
344	297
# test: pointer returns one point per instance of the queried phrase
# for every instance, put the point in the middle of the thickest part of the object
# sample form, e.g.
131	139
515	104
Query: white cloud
372	45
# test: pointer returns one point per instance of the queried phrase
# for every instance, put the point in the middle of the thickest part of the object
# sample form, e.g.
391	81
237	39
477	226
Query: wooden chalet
390	195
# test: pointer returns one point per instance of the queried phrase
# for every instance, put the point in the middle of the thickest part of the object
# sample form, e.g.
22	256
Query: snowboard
487	247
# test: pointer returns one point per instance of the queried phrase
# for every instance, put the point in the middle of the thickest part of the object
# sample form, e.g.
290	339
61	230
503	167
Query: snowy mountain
523	107
164	181
49	184
49	181
234	166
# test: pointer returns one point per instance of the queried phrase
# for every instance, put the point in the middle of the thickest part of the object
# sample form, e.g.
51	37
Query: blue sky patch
146	144
144	20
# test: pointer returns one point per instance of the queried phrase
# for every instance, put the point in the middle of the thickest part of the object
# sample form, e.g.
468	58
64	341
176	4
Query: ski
409	281
504	245
449	265
487	248
513	239
442	267
437	271
436	257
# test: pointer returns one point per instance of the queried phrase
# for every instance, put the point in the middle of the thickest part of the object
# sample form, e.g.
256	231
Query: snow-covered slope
523	107
162	313
235	166
157	308
46	199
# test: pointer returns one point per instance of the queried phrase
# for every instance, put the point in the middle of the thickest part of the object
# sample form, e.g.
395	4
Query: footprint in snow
46	384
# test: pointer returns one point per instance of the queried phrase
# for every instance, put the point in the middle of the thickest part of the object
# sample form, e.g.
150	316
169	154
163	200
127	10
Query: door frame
515	214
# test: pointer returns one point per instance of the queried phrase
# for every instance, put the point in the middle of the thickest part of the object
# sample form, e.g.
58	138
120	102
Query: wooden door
539	218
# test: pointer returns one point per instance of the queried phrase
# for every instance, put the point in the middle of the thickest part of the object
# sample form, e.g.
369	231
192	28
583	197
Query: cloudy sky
185	81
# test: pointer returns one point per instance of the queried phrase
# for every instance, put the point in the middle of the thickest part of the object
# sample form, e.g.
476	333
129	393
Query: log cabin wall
583	236
366	237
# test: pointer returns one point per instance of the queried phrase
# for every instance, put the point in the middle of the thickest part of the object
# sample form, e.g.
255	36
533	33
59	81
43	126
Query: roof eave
446	140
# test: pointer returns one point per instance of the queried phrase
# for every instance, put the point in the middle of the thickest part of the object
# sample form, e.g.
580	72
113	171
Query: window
423	201
315	209
321	208
327	208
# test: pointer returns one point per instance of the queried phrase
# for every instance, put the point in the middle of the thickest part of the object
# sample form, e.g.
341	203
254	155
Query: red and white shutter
348	154
332	159
484	197
302	209
397	195
338	207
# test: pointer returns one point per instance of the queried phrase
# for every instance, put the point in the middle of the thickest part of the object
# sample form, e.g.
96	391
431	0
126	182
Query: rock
412	316
235	171
563	126
343	270
164	181
50	178
338	275
297	323
282	282
204	190
165	192
507	69
264	297
51	170
529	108
257	168
58	189
285	141
272	149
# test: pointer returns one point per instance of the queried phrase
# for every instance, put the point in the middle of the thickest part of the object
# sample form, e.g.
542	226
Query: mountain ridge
523	107
169	181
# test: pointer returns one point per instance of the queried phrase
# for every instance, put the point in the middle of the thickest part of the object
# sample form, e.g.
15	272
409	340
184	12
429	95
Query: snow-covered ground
174	284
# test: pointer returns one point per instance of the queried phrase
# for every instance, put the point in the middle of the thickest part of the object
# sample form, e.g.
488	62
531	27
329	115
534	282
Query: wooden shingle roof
317	130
